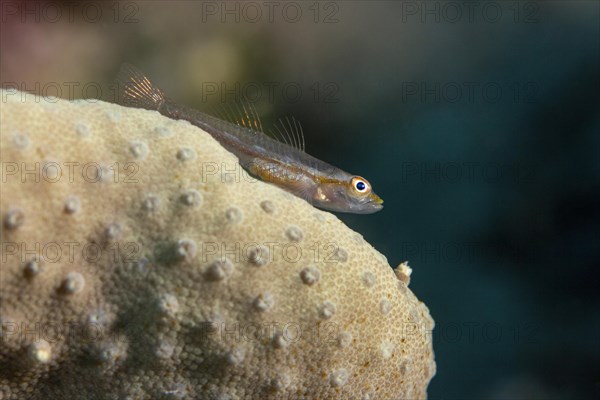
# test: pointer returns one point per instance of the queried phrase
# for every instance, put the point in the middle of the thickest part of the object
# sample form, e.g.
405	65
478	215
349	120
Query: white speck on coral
163	131
413	316
14	218
40	351
327	310
236	356
259	255
177	391
294	233
111	351
141	266
385	306
98	321
339	377
279	341
403	273
20	141
106	353
32	268
139	149
310	275
281	381
104	173
82	129
267	206
52	171
72	204
186	249
368	396
219	270
234	215
263	302
369	279
344	339
386	350
168	304
191	198
113	231
186	154
151	203
73	283
341	255
165	350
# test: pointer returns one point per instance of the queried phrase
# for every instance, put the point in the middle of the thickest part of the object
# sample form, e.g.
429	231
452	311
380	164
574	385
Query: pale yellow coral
139	261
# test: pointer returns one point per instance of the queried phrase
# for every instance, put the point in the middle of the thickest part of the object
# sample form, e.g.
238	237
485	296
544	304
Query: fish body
281	162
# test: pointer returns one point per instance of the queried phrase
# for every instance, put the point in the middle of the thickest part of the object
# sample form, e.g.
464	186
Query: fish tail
136	90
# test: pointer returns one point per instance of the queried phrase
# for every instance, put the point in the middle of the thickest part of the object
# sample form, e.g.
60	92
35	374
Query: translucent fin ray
244	114
136	90
294	134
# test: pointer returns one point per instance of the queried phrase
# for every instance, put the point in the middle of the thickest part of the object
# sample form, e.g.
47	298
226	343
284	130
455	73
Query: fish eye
360	185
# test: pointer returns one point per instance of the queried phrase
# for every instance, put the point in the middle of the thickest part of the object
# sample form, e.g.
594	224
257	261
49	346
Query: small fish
282	162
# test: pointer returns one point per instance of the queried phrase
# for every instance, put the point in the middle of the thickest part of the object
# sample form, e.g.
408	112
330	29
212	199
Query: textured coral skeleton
128	271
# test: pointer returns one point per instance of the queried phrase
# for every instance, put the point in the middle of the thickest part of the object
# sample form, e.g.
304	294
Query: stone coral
140	262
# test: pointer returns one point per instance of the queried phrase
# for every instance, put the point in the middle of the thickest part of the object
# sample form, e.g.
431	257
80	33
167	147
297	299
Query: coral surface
139	261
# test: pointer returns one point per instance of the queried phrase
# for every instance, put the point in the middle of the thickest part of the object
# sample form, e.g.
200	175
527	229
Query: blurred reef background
477	122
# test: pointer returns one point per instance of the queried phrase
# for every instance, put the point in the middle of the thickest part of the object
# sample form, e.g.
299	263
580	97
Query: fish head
352	194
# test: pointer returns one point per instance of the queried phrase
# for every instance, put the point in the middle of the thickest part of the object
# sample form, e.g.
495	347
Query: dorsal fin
244	114
136	90
289	131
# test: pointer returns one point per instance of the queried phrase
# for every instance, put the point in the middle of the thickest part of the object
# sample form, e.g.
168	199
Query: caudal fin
136	90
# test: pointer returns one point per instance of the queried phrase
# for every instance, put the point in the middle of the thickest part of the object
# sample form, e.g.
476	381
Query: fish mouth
372	205
370	208
373	198
377	206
